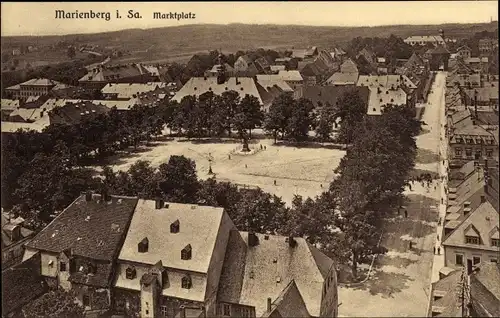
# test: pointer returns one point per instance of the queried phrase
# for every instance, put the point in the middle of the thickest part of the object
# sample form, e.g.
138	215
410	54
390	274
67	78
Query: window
495	242
476	260
130	273
186	282
458	151
246	312
489	153
62	267
226	310
163	311
468	152
459	259
471	240
478	154
86	300
493	260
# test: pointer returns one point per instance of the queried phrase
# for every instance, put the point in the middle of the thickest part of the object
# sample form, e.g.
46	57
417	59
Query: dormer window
186	252
495	242
186	282
130	273
62	266
175	226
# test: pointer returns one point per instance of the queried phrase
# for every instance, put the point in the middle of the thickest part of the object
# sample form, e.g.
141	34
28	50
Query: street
400	282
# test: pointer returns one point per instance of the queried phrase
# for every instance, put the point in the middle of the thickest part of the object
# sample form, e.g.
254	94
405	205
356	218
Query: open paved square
305	171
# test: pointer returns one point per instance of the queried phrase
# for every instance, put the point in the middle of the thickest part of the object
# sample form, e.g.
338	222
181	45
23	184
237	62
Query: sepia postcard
250	159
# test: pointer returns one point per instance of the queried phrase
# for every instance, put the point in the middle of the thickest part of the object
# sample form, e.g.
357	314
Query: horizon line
252	24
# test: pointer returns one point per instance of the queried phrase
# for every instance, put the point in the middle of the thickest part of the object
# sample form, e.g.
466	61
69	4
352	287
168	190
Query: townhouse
102	75
32	87
14	236
424	39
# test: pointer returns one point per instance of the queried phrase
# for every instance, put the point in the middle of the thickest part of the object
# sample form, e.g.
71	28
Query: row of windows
459	260
468	152
476	240
186	282
227	310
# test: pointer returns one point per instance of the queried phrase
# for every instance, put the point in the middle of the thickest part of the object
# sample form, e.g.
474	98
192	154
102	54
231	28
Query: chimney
291	242
253	240
269	302
143	245
158	204
483	199
475	104
88	196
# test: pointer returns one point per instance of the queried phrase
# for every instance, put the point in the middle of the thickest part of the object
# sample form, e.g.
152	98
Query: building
80	246
472	232
467	138
483	97
8	106
467	293
276	276
478	64
276	68
216	69
74	113
321	95
464	52
263	65
319	70
33	87
464	80
125	91
439	58
385	90
292	78
302	54
245	66
173	255
348	74
338	54
197	86
487	46
418	73
14	236
424	39
101	75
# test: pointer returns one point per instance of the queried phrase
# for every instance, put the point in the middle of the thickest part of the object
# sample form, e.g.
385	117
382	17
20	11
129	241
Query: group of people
425	179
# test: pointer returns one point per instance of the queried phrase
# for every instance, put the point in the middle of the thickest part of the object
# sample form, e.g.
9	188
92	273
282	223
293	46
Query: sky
39	18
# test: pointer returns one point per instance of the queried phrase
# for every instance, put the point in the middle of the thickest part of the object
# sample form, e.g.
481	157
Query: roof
36	82
272	258
22	284
112	73
198	85
73	113
329	94
11	127
484	94
100	278
6	225
281	77
299	53
199	227
488	118
339	78
448	303
440	50
484	220
349	67
276	68
91	229
424	38
9	104
127	90
288	304
485	289
379	98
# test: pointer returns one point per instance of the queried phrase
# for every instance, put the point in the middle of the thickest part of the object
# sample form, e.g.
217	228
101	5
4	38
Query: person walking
439	250
274	182
406	214
434	250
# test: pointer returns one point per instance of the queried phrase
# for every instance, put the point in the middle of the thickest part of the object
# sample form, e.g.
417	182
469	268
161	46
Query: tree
58	303
301	120
326	121
247	115
277	118
178	180
71	52
352	110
